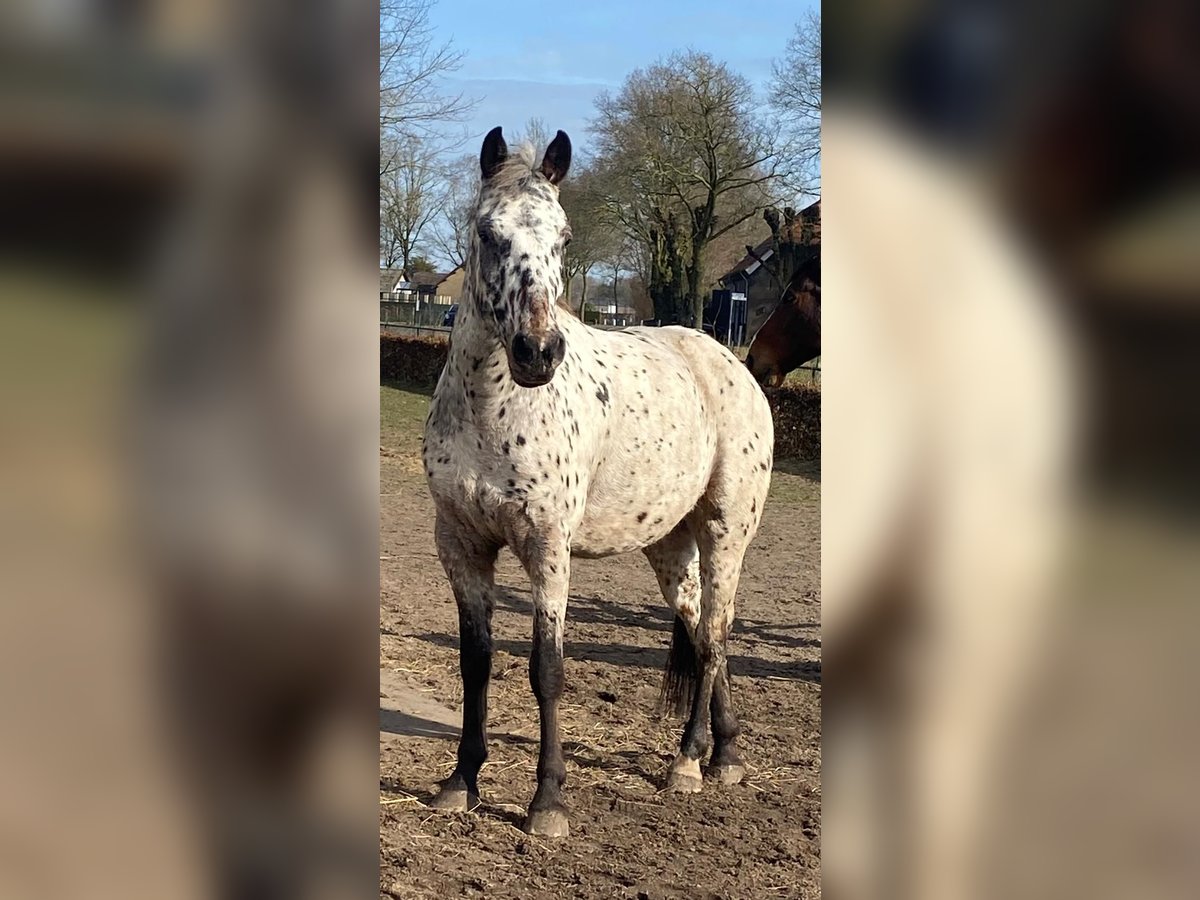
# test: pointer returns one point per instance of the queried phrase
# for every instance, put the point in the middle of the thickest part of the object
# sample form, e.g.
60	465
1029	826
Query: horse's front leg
549	574
470	566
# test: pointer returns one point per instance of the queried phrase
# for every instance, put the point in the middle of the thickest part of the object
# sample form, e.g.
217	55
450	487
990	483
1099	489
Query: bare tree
593	239
413	101
536	133
688	159
451	232
410	198
795	95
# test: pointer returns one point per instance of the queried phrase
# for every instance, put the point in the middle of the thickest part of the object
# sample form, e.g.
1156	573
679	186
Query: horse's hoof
551	823
682	783
685	776
454	800
726	774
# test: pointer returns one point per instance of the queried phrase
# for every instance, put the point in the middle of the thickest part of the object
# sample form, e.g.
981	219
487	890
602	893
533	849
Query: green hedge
411	360
797	413
797	409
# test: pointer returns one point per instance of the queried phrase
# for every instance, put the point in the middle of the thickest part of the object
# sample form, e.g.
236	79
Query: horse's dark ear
557	159
493	154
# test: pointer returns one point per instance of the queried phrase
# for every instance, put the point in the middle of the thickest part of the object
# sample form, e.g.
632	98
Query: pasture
628	839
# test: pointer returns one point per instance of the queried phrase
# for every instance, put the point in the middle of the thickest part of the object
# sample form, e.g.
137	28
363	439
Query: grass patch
796	481
791	488
402	412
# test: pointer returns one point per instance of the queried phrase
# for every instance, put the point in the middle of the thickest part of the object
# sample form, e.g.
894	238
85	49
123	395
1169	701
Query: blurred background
1009	448
188	477
188	522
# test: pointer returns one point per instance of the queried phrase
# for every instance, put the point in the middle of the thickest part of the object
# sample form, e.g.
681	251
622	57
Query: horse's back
715	416
727	385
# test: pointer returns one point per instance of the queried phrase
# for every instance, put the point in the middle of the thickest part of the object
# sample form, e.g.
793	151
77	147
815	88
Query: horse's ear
557	159
493	154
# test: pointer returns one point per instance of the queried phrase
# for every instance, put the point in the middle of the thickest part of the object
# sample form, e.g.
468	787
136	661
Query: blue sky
528	59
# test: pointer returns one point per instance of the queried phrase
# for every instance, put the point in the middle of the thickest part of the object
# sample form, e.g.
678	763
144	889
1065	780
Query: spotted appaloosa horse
791	336
559	440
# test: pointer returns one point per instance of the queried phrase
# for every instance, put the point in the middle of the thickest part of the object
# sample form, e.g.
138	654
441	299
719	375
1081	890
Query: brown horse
791	336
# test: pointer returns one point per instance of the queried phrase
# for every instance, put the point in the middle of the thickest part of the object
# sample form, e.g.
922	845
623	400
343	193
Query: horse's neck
476	355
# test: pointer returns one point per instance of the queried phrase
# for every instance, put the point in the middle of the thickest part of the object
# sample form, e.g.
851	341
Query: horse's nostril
523	349
554	350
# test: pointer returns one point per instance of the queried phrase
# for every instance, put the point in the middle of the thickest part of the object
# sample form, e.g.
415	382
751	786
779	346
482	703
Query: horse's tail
679	679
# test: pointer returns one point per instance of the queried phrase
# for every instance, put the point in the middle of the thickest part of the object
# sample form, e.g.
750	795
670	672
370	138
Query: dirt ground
757	839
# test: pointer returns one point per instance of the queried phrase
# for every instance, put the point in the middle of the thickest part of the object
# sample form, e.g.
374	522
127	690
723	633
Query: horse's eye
485	232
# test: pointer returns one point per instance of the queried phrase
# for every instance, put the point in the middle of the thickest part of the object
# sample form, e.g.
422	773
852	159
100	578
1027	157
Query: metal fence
813	369
437	332
609	320
417	313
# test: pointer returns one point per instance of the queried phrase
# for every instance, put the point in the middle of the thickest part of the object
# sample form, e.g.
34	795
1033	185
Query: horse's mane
514	172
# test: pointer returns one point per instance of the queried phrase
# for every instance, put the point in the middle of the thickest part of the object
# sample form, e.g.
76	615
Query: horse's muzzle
533	361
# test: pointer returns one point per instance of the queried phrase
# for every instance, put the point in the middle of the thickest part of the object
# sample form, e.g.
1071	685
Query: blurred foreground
1009	450
188	529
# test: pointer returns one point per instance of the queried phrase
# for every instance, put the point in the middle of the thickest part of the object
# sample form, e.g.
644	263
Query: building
444	287
389	279
752	278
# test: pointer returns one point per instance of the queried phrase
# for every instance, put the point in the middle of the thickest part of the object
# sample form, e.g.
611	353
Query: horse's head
760	368
517	241
791	336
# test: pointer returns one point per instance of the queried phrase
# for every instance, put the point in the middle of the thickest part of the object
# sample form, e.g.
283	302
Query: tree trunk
668	274
658	287
693	288
675	275
583	294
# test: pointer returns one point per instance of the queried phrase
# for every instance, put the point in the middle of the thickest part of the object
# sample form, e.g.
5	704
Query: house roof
433	278
749	264
390	278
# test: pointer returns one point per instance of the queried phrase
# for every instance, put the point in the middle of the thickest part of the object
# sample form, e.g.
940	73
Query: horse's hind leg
722	544
469	564
725	765
676	563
